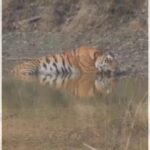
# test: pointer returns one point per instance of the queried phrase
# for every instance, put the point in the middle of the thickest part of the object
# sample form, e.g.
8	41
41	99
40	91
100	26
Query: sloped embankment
74	16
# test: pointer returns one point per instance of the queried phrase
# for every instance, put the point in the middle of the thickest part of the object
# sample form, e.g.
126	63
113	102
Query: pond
75	112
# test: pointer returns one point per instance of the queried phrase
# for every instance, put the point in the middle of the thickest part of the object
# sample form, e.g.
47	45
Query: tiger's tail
27	68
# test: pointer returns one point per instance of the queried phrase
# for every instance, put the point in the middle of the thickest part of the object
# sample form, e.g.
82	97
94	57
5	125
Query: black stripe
55	80
63	82
44	65
69	76
36	71
38	61
69	61
63	71
47	60
69	69
63	61
56	68
51	69
44	78
65	76
55	58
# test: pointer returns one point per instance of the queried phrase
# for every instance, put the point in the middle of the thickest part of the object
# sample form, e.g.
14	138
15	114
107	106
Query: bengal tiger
81	60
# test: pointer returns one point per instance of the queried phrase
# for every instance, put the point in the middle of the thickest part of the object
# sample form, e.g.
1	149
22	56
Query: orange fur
83	59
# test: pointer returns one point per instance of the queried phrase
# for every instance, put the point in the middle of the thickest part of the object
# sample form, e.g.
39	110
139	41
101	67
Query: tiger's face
107	63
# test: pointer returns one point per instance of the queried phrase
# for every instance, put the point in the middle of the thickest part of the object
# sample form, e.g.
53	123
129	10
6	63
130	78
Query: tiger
81	60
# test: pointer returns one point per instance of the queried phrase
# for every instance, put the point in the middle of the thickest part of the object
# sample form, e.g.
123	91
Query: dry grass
116	26
36	117
74	16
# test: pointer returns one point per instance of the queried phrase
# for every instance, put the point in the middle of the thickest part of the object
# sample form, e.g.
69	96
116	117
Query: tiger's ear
96	55
110	56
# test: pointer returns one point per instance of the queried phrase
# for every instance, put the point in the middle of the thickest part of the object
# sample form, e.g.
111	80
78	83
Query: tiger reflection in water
78	85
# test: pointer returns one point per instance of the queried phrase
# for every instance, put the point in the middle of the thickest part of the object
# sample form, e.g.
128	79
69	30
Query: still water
75	113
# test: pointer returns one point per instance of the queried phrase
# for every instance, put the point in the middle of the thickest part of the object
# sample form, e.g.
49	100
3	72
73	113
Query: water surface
74	113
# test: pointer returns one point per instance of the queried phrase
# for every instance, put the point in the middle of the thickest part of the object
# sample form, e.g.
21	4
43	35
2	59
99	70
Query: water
74	113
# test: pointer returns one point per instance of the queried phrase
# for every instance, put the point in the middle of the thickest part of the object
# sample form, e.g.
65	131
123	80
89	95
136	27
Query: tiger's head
106	63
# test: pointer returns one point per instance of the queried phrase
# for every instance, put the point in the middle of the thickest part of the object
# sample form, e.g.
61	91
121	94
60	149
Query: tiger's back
83	59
